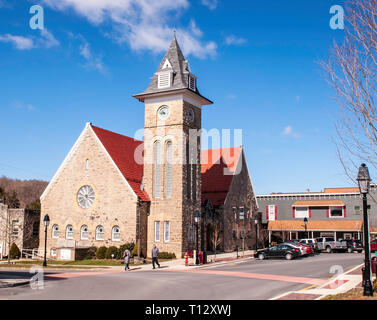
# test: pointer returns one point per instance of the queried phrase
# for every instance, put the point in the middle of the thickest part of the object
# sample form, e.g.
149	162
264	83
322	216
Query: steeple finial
175	38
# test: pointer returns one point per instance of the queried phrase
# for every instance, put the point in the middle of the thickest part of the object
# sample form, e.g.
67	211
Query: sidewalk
339	284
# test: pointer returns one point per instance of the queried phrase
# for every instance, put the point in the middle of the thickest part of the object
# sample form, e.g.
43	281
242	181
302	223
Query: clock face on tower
163	112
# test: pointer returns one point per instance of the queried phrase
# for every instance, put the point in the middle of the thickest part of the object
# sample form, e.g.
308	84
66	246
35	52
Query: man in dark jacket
155	252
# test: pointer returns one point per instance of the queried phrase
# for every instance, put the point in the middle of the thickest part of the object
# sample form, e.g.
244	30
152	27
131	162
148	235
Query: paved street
249	279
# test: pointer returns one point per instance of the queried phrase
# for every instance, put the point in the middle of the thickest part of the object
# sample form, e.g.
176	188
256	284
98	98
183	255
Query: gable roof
214	162
121	150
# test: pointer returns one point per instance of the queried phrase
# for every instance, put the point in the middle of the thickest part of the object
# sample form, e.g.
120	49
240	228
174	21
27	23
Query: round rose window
85	197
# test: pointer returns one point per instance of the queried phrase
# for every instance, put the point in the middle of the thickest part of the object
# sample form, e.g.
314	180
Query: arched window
55	231
100	233
69	232
84	232
157	169
115	233
168	169
87	164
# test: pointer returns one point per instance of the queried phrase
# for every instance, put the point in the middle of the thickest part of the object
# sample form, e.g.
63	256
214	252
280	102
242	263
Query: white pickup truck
329	244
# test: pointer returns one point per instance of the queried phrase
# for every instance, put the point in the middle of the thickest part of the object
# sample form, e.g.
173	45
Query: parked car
284	250
305	249
373	245
310	242
354	245
329	244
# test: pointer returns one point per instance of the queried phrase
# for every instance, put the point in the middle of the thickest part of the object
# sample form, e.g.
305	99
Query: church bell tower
172	177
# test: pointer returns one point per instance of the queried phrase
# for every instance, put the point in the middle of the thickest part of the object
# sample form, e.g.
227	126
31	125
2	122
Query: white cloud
21	43
288	131
143	24
22	106
92	62
47	39
233	40
211	4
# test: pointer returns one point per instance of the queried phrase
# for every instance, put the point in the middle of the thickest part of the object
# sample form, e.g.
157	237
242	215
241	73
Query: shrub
166	255
129	245
111	250
91	253
14	251
101	252
134	251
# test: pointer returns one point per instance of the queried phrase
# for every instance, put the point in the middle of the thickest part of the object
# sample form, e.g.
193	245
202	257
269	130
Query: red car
307	249
373	245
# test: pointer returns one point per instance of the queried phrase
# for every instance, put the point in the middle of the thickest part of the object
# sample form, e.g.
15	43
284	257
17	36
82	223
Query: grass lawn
353	294
61	263
78	264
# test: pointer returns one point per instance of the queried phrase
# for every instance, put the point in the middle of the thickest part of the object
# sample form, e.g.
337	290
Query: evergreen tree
35	205
2	195
12	201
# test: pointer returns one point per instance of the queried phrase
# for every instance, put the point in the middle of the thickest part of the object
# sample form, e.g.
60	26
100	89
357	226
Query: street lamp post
256	234
363	179
306	226
197	220
46	222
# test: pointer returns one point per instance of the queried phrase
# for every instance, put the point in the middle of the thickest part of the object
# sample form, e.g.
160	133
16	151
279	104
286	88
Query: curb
10	284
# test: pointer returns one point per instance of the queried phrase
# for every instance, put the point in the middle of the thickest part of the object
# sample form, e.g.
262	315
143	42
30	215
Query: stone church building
112	189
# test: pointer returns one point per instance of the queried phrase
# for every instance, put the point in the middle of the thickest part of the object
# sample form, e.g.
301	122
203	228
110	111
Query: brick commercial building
335	212
113	189
19	226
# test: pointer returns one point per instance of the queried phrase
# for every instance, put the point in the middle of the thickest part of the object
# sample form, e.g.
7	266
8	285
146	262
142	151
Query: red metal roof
121	150
214	164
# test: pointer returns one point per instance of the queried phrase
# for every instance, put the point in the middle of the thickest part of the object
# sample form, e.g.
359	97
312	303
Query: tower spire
173	74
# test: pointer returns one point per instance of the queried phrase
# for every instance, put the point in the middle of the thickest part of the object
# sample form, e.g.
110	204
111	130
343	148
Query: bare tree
351	71
216	240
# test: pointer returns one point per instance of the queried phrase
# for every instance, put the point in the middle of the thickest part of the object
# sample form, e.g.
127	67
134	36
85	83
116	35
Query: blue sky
257	60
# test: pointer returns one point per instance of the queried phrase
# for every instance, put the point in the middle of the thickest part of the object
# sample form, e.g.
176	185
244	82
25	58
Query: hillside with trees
21	193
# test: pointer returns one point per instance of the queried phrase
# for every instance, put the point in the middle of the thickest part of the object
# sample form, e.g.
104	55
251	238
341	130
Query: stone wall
18	224
178	210
241	194
115	203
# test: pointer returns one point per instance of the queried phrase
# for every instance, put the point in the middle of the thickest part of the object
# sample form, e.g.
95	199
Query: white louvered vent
164	80
192	83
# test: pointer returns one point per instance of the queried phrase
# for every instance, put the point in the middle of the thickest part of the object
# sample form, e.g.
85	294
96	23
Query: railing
34	254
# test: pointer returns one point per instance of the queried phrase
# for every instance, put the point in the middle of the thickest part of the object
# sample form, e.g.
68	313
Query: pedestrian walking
155	252
126	256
